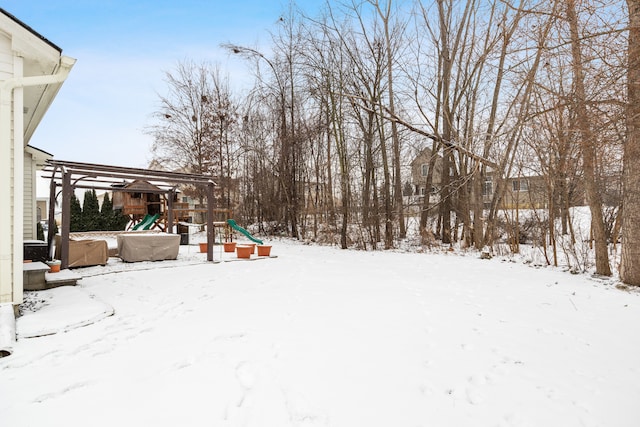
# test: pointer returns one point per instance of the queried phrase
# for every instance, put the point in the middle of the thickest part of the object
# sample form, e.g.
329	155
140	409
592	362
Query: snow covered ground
324	337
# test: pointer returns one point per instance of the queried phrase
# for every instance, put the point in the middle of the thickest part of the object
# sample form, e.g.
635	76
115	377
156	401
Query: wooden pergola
72	175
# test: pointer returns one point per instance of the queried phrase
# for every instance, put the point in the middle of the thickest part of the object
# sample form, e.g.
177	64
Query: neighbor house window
520	185
425	170
487	186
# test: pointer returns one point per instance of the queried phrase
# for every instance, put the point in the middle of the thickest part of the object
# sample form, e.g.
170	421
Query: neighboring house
138	198
35	210
420	170
32	70
227	197
522	192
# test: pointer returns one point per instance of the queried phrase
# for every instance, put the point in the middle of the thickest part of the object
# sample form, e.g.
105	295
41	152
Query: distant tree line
91	217
343	101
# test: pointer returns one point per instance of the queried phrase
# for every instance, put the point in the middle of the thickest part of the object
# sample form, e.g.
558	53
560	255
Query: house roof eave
30	30
40	57
39	155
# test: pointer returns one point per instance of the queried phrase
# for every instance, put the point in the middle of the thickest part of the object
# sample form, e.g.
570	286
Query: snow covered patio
324	337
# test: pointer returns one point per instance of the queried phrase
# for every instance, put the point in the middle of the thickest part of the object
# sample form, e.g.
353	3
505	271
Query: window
520	185
423	190
487	186
425	170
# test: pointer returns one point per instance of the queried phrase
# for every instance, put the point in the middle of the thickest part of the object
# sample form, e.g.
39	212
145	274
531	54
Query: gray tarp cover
148	247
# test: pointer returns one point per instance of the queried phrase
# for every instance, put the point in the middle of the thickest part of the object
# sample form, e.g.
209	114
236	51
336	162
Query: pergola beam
130	173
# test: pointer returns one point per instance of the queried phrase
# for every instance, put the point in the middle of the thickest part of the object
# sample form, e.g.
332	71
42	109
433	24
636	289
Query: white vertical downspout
6	226
7	329
18	184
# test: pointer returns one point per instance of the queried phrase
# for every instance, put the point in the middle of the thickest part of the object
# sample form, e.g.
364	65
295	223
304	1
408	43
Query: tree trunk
424	213
447	123
630	264
386	183
369	180
397	182
587	143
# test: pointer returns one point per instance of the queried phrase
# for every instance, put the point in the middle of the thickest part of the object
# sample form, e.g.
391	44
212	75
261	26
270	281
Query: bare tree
193	119
630	266
392	40
364	90
465	39
517	115
222	118
586	138
331	64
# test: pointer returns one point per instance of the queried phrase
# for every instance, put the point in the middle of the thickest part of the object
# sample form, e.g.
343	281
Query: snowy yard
324	337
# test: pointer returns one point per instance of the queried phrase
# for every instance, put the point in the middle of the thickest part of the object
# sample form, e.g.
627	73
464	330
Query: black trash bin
35	250
183	230
184	238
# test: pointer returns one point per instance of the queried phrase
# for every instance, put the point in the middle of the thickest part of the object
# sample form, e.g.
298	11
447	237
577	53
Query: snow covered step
64	277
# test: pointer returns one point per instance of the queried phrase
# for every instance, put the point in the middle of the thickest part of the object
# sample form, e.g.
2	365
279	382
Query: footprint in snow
245	376
474	396
61	392
479	379
301	412
514	420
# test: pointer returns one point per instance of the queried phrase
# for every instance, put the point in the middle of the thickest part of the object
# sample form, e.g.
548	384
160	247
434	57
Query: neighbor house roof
39	155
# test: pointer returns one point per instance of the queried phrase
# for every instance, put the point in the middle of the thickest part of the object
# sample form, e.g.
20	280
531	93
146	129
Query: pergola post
52	215
67	191
170	195
210	232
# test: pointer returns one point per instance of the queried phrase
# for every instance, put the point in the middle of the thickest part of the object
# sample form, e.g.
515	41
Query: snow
324	337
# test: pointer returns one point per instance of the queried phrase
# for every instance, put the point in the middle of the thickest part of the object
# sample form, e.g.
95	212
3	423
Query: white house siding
29	225
11	189
6	185
6	57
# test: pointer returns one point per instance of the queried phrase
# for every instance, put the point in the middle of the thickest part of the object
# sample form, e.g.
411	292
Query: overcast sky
123	48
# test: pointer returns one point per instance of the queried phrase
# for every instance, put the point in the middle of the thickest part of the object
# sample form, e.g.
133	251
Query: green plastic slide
146	222
139	225
150	222
236	227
